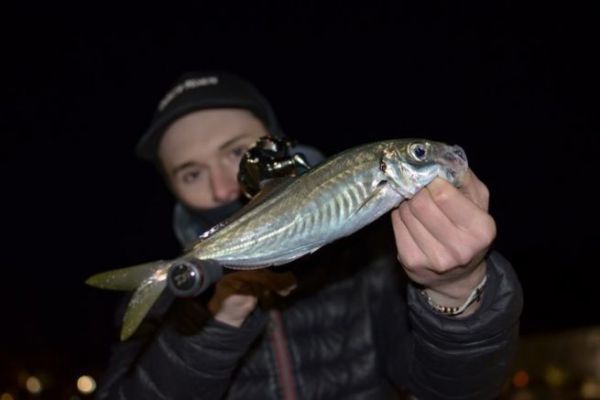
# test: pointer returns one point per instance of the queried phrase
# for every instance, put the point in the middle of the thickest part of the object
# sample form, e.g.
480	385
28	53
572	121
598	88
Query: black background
514	84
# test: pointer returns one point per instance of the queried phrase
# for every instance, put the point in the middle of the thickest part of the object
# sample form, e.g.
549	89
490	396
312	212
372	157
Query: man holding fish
437	316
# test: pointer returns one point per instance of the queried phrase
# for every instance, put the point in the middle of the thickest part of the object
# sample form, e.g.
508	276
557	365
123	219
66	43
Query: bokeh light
86	384
33	385
555	376
590	389
521	379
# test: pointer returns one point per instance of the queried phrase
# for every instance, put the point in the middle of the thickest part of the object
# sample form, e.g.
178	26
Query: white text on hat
186	85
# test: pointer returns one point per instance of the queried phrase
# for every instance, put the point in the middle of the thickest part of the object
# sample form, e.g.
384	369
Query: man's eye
190	176
238	151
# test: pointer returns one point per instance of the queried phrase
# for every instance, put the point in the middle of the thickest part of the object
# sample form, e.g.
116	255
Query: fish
295	216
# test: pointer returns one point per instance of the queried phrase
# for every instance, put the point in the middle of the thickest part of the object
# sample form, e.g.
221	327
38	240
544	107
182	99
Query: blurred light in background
590	389
33	385
6	396
521	379
562	365
555	376
86	384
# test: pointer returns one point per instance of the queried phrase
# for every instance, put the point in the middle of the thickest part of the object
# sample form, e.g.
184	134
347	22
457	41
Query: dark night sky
515	85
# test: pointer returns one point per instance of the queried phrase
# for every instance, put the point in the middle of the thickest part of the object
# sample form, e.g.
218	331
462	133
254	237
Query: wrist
459	297
469	306
456	290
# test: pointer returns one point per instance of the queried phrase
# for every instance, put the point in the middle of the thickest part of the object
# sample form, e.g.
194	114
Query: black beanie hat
201	90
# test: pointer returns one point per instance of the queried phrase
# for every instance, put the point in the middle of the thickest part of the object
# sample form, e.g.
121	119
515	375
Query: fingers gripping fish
299	215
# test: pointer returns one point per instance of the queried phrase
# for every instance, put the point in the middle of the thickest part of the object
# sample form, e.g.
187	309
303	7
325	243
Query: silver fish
299	215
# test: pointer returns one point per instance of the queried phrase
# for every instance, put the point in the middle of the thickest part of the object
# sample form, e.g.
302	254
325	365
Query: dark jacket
357	332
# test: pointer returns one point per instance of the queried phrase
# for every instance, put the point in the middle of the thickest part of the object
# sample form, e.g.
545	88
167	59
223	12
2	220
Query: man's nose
224	185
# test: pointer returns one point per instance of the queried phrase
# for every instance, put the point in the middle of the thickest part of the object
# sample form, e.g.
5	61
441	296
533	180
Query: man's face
201	151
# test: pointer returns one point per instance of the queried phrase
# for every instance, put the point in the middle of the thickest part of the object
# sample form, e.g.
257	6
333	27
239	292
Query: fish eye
418	151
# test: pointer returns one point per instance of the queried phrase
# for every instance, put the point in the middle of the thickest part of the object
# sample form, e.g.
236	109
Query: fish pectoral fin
373	196
141	302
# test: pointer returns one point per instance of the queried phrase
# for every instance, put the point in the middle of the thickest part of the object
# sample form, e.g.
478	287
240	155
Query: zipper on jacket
283	360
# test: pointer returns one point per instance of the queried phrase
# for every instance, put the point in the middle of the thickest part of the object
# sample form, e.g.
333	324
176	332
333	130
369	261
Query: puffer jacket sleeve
457	358
165	361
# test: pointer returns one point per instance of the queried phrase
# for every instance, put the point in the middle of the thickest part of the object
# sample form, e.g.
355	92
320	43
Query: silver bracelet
475	296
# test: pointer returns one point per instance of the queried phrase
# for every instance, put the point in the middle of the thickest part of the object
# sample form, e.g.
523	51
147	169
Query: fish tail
148	280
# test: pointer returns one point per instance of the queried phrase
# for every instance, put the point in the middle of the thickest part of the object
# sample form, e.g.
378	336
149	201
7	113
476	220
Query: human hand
237	294
442	235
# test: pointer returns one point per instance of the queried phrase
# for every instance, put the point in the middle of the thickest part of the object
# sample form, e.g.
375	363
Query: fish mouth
454	164
458	153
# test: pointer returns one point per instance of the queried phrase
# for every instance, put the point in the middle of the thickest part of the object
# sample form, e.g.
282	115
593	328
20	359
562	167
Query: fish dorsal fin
270	186
208	233
269	189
